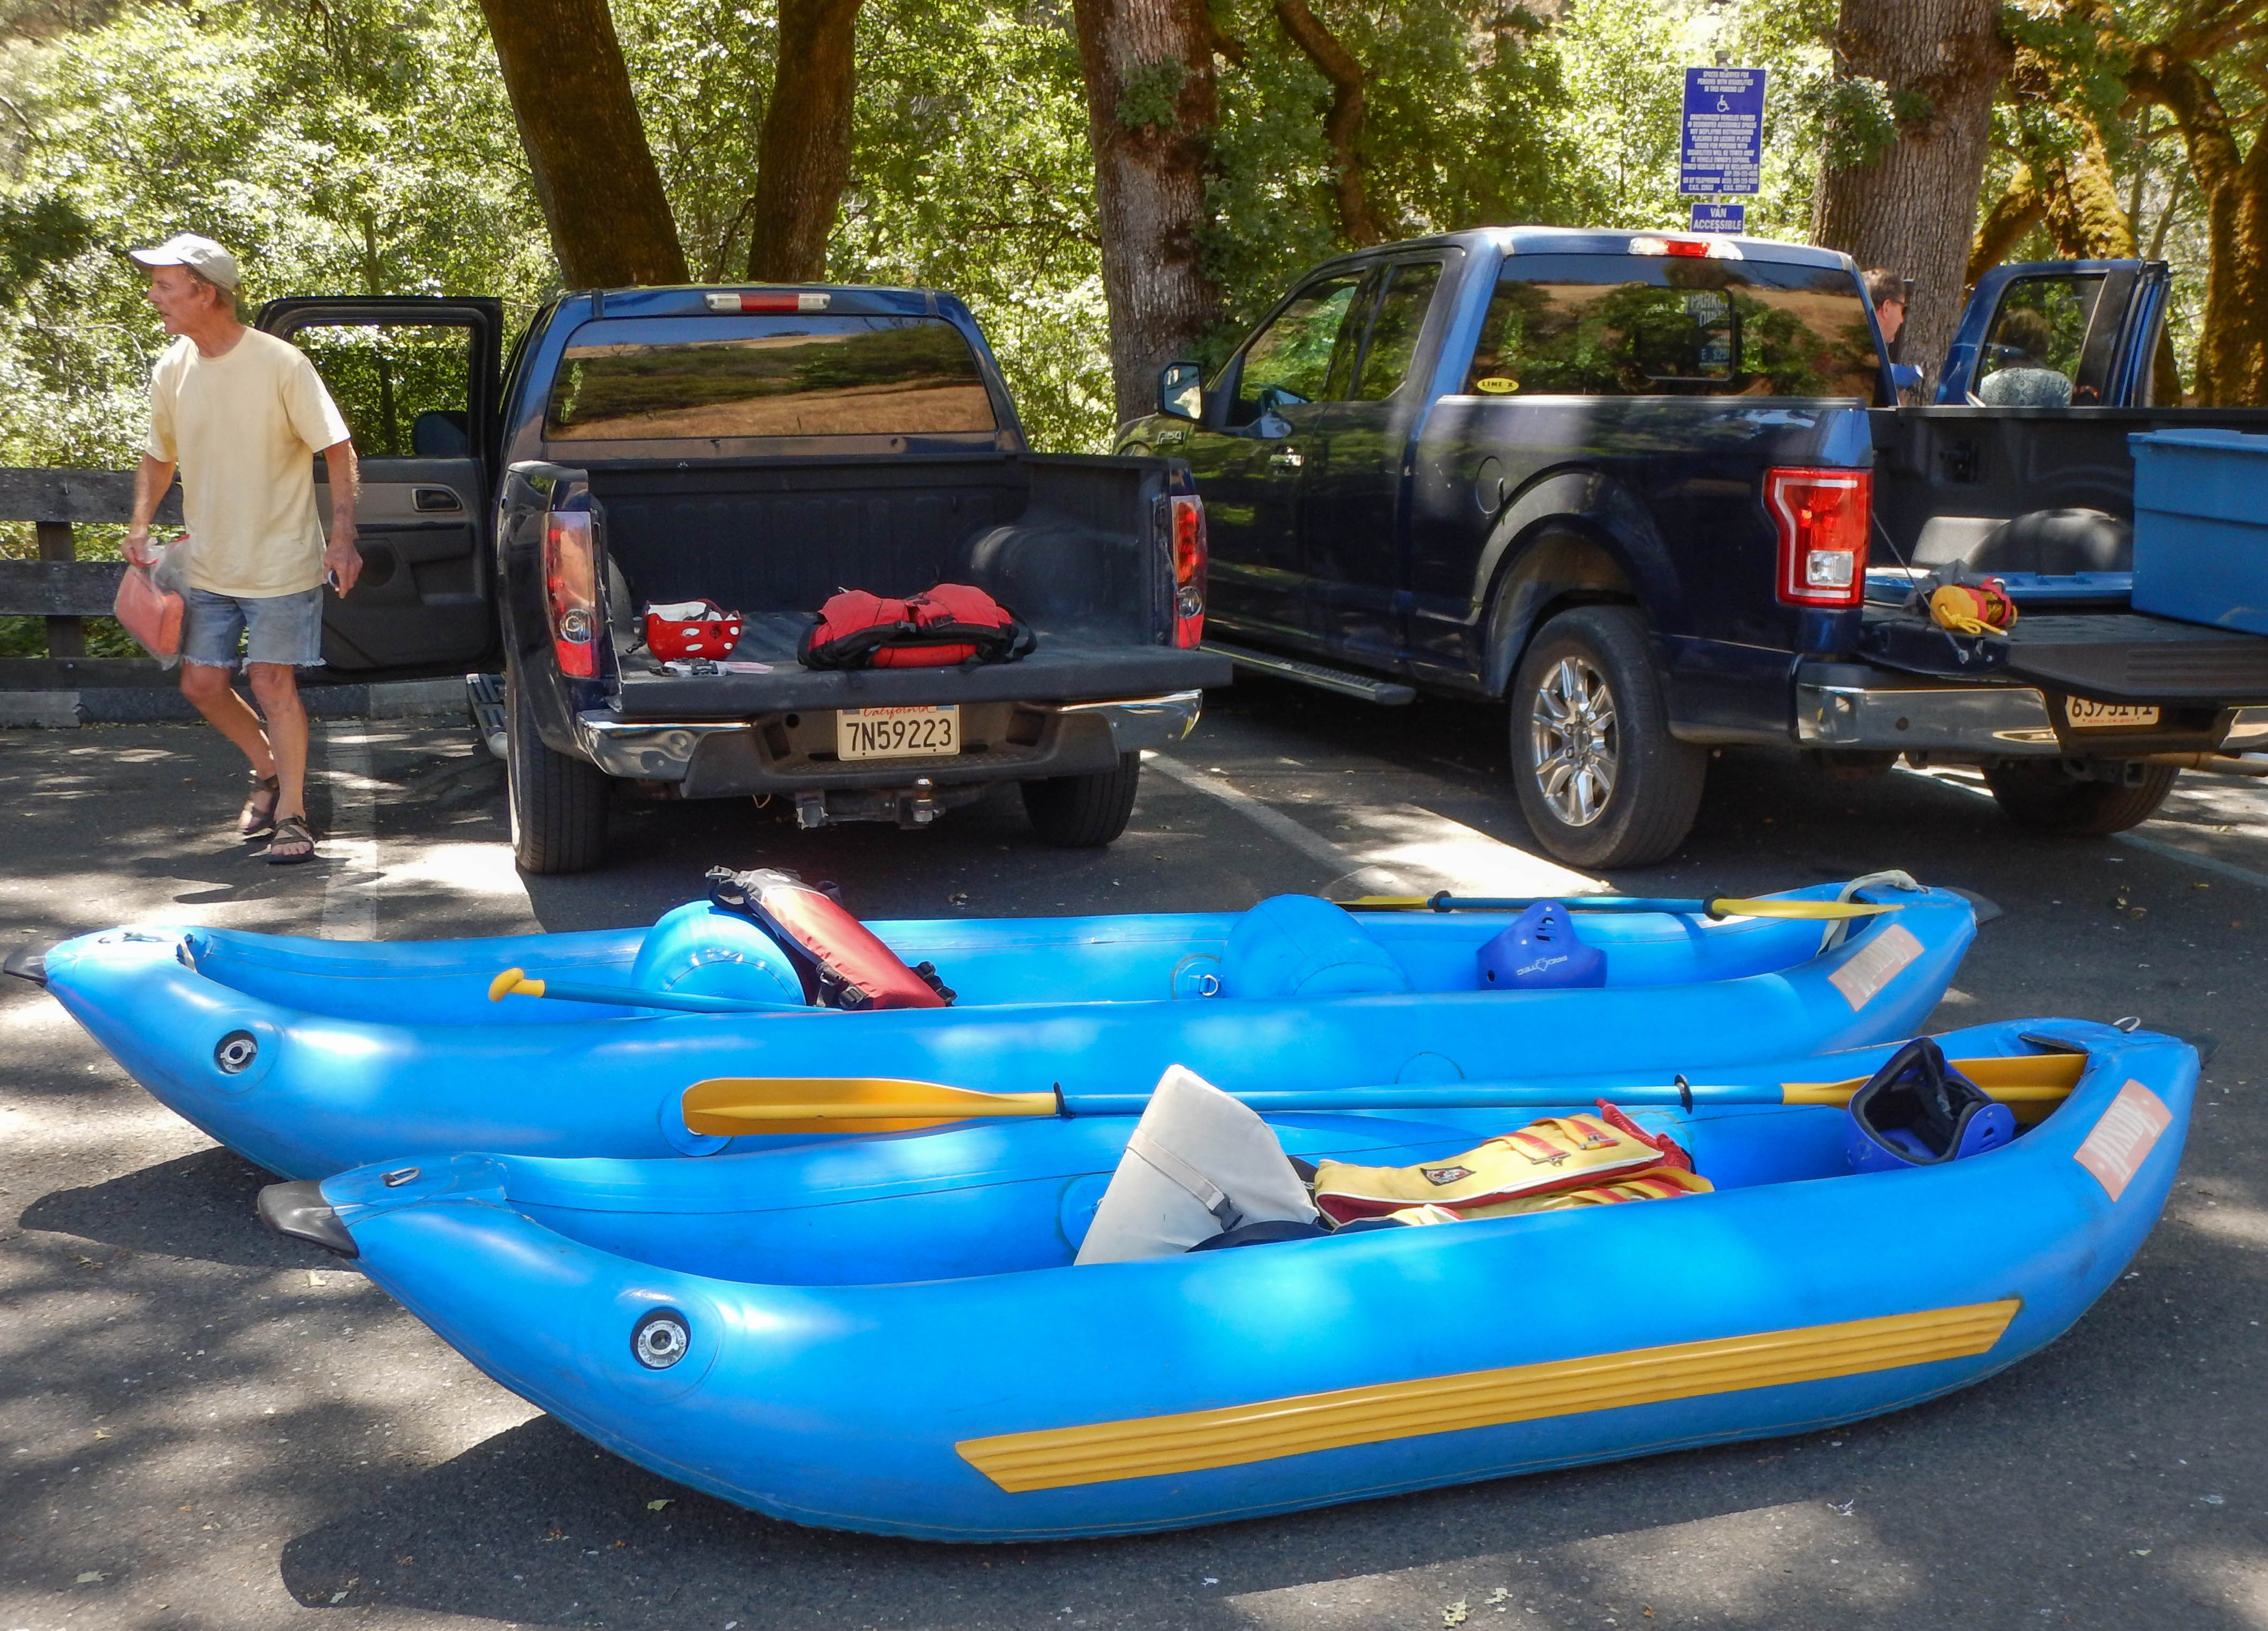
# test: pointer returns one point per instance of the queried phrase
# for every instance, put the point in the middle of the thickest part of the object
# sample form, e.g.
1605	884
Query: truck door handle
1287	460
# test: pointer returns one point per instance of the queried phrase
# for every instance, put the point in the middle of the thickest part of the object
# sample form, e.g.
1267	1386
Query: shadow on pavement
198	1206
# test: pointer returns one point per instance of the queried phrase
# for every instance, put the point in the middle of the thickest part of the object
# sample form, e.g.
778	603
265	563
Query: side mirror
1905	377
1181	391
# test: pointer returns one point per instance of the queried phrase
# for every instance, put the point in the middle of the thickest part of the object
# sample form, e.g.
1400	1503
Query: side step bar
484	698
1386	693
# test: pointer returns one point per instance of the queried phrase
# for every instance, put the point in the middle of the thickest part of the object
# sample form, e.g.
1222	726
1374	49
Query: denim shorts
272	628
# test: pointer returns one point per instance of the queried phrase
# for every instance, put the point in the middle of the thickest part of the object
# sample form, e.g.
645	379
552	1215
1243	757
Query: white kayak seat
1199	1163
1303	945
703	951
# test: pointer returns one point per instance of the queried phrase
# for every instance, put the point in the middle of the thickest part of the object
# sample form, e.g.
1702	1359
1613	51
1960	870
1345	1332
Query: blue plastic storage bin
2201	526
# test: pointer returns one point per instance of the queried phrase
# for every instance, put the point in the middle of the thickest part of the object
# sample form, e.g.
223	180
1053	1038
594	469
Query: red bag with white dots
691	629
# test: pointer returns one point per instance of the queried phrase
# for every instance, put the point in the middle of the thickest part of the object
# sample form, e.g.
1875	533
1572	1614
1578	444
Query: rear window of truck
1618	325
661	379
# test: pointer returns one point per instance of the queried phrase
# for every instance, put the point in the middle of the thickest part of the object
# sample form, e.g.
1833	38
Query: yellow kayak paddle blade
2030	1084
731	1105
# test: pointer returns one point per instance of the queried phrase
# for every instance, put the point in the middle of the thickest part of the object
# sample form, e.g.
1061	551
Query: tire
558	803
1587	691
2042	799
1084	812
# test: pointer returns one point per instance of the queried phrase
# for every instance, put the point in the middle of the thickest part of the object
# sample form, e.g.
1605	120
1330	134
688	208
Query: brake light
570	583
1823	518
1187	520
1698	248
769	300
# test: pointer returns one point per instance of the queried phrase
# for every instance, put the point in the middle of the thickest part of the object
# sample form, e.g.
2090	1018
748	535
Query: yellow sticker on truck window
1496	385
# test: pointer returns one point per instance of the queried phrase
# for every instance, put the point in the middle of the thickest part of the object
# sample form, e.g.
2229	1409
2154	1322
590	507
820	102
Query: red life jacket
843	963
951	623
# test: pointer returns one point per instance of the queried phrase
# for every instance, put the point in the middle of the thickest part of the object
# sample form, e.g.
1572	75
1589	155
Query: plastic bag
151	603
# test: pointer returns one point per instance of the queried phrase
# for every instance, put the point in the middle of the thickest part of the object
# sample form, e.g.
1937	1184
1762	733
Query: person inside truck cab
1888	290
2020	377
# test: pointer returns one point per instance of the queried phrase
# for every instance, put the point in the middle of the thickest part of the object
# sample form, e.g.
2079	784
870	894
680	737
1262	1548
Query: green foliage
367	145
363	145
1150	95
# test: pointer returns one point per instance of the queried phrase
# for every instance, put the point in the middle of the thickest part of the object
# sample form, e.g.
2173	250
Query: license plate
922	732
2097	716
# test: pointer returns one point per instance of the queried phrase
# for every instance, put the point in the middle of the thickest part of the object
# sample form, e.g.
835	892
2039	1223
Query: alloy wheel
1574	750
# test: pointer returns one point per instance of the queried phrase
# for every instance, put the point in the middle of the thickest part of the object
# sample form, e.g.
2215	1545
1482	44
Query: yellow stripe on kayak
727	1105
2030	1084
1153	1446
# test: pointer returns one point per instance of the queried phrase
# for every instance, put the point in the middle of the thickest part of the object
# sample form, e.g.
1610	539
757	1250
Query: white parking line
2131	840
1412	847
350	891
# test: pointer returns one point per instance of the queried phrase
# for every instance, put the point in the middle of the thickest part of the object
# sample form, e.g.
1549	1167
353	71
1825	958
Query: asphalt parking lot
208	1427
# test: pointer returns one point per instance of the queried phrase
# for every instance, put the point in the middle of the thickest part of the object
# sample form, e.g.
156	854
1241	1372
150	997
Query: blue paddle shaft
1462	1096
630	997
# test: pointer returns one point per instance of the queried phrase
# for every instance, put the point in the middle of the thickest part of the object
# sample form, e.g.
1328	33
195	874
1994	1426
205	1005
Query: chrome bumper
647	750
2004	721
1148	721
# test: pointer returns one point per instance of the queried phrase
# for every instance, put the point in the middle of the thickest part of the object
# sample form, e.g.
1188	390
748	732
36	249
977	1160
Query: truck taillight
1823	518
1188	524
570	583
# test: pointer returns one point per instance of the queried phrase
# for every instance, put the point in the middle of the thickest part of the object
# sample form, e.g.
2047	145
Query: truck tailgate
1061	671
2135	657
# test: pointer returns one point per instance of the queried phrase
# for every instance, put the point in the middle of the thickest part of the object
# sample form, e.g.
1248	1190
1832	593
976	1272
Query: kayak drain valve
660	1340
234	1052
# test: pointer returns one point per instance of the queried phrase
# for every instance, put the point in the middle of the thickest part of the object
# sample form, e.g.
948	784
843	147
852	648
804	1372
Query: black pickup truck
1651	490
761	449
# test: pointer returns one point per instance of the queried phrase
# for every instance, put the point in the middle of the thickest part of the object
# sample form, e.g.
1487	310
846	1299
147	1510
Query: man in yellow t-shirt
241	414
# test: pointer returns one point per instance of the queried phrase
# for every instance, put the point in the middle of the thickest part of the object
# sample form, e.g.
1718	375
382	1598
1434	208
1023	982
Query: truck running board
484	697
1388	693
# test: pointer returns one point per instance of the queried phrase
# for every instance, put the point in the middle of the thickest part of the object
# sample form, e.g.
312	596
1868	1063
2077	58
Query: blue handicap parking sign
1708	216
1722	144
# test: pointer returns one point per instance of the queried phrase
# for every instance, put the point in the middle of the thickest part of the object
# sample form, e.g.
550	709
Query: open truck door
416	378
2057	333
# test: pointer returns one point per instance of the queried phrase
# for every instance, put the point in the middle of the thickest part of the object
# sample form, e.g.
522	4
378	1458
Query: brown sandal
292	843
257	818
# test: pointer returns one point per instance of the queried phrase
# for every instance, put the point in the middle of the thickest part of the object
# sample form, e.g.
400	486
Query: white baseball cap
201	256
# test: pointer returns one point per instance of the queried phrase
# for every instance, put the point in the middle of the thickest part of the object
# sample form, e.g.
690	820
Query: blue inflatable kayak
886	1333
310	1057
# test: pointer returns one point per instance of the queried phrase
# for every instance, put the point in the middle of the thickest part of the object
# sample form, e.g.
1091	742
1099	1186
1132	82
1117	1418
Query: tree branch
1359	224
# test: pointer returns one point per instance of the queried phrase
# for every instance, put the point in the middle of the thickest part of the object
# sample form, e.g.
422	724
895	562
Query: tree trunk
594	175
2015	212
2084	215
1151	104
2231	360
1359	222
1912	207
804	161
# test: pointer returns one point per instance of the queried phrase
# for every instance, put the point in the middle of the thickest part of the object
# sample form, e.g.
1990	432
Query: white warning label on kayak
2113	1152
1874	967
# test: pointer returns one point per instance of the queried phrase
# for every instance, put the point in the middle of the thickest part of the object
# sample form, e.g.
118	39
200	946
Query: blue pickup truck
760	449
1654	491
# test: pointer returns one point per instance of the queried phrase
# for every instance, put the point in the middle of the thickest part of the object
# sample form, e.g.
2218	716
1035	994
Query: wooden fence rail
58	586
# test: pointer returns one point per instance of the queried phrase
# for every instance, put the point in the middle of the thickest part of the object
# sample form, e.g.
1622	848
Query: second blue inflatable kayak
890	1334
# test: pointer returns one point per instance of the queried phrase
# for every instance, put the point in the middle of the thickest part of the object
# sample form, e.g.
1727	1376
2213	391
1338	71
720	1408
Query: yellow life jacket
1653	1183
1558	1153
